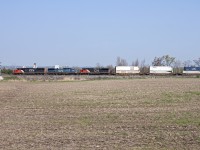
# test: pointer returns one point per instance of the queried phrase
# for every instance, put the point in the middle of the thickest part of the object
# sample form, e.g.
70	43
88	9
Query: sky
87	32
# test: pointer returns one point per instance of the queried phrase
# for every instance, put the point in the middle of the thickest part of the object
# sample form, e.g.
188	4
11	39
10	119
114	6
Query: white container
191	72
161	69
127	69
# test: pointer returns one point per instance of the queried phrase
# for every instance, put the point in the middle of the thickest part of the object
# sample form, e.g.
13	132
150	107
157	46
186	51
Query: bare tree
187	63
158	61
142	63
165	60
111	68
118	62
197	62
76	68
177	67
168	60
98	65
135	63
177	64
144	68
121	62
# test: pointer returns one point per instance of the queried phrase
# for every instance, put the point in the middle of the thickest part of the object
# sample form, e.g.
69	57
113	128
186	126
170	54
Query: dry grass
106	114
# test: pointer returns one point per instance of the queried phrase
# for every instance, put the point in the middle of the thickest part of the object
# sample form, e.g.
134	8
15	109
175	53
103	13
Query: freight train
118	70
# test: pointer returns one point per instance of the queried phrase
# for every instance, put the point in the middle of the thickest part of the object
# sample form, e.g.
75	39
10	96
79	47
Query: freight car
191	70
135	70
127	70
160	70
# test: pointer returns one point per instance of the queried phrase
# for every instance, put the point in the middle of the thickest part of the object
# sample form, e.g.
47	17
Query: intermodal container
161	69
127	70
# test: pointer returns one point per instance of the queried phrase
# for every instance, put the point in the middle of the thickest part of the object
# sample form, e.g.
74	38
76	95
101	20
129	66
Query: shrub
6	71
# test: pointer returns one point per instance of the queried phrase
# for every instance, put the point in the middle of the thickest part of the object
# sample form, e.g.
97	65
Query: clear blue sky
86	32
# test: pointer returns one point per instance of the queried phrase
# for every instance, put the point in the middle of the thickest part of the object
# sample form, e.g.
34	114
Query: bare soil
101	114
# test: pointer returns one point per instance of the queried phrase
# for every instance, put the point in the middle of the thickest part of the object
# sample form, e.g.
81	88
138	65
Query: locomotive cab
18	71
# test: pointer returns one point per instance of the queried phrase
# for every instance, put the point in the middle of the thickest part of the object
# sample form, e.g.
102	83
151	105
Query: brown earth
100	114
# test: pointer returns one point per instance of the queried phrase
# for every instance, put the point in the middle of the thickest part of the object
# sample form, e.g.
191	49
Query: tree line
165	60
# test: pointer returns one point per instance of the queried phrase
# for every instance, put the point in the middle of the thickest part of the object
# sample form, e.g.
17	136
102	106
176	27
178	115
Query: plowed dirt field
100	114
